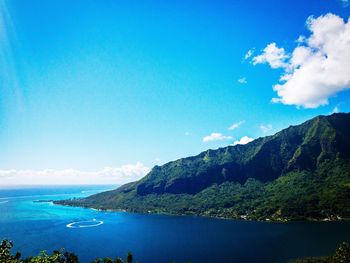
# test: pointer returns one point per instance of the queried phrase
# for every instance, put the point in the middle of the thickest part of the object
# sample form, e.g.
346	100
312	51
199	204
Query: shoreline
240	218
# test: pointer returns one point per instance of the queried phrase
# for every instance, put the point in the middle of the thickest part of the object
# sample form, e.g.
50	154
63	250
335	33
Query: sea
35	226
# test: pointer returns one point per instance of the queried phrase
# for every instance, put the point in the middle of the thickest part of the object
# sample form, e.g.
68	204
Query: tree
129	258
342	254
5	252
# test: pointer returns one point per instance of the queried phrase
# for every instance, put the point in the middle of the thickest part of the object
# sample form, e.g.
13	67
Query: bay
36	226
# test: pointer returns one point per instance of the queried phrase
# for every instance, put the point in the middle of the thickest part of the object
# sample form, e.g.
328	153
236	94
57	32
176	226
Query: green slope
302	172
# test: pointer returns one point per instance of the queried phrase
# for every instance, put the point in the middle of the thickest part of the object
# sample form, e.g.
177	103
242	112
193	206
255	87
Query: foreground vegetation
300	173
341	255
58	256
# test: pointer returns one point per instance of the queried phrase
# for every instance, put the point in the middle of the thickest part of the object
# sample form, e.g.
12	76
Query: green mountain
302	172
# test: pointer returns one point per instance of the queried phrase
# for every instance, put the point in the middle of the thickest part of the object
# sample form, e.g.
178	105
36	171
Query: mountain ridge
251	181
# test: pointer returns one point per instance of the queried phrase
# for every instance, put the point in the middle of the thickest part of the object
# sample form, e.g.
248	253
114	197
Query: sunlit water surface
36	226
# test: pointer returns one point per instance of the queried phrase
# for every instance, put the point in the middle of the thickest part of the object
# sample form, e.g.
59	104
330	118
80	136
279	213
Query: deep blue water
154	238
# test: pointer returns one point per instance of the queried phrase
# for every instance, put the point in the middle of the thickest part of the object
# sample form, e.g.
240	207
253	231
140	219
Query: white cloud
318	68
243	140
274	56
215	136
301	39
249	54
265	128
335	110
242	80
108	175
236	125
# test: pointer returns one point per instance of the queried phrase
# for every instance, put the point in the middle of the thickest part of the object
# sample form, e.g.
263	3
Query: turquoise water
35	226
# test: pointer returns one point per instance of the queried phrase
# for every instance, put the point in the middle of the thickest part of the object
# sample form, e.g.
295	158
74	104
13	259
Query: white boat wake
87	223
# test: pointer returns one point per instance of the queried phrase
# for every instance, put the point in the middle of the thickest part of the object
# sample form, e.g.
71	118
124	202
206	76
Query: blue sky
92	84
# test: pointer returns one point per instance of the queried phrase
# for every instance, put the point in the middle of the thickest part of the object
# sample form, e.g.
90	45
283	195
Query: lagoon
36	226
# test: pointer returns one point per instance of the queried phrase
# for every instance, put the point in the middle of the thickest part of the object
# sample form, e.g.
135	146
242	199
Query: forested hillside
302	172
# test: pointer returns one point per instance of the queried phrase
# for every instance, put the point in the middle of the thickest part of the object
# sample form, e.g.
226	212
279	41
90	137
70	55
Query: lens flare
9	57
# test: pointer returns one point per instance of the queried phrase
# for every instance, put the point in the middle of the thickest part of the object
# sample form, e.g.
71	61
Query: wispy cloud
243	140
249	53
265	128
108	175
336	109
216	136
242	80
236	125
318	68
301	39
344	3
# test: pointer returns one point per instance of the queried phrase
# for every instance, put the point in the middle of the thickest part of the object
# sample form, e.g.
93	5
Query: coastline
206	215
